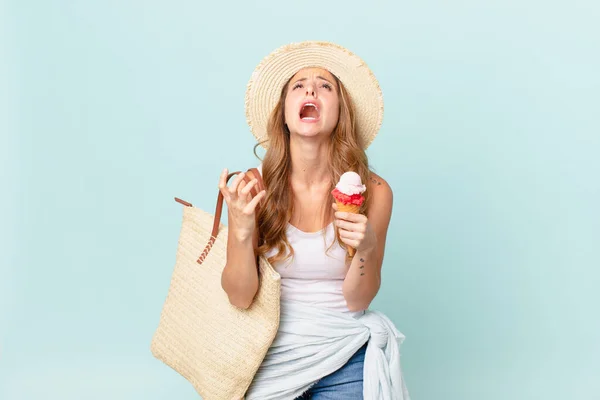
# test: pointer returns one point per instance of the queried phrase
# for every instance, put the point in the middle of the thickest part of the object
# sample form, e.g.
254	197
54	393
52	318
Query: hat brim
275	70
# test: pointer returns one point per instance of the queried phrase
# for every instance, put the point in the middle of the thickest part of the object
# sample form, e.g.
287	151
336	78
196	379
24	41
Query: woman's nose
310	90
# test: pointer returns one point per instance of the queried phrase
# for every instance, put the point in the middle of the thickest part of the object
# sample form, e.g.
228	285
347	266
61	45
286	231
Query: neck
310	158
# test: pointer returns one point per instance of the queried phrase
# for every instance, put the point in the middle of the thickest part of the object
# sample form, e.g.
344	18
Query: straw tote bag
216	346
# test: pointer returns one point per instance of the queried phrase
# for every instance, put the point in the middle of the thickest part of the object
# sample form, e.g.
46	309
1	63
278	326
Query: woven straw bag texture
216	346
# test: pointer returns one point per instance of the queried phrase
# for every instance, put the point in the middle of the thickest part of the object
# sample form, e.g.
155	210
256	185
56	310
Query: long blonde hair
346	153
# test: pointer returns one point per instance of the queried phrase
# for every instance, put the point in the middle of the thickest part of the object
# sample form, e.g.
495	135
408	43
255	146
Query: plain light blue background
491	142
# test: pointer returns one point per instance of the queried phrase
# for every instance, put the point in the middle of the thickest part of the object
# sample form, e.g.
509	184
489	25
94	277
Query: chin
309	135
312	132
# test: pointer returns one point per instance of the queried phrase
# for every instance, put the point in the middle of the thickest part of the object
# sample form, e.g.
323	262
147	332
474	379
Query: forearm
362	281
240	275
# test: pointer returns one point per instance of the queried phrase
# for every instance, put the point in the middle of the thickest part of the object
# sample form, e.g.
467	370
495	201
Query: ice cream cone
349	208
348	197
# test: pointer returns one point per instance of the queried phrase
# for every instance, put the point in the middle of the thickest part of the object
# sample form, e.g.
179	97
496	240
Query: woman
315	107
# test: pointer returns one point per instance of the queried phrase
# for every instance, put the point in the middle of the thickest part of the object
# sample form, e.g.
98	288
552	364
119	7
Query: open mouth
309	112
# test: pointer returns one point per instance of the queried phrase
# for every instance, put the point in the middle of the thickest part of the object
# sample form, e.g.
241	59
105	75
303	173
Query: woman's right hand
241	205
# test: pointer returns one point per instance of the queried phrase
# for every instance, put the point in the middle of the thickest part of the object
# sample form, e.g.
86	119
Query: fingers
351	217
233	189
351	226
236	188
350	242
223	179
223	184
245	189
353	239
239	192
251	206
350	235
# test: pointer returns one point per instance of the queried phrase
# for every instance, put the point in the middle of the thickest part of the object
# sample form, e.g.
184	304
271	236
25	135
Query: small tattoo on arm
362	260
375	181
362	273
362	266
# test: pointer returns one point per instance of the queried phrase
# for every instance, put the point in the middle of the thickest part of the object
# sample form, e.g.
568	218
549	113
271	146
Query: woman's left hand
355	230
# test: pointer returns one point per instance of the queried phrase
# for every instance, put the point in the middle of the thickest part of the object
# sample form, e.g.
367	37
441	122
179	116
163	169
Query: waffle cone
349	208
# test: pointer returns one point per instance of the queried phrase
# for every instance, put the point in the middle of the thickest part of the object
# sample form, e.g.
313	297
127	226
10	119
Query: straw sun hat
274	71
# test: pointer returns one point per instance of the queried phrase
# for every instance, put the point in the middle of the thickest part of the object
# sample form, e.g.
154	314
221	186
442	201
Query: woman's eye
297	86
327	86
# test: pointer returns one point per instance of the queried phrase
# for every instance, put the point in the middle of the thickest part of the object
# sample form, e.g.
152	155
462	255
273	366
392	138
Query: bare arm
240	275
368	235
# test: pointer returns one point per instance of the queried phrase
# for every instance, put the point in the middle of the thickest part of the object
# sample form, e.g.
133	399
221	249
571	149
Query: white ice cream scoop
350	183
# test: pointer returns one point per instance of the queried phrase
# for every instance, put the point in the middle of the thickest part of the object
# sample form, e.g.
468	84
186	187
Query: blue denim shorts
345	383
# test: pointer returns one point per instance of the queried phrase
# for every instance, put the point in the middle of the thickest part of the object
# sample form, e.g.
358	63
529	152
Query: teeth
307	118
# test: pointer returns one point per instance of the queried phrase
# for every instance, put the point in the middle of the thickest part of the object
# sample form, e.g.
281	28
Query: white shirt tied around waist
313	342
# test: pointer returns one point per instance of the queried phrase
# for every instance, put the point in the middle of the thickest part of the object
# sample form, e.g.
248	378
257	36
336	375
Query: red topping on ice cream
356	199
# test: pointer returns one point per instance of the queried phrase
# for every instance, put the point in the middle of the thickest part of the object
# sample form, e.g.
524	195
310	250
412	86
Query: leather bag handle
252	173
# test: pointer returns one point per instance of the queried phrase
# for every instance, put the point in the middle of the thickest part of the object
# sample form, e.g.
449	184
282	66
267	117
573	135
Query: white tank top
313	275
316	272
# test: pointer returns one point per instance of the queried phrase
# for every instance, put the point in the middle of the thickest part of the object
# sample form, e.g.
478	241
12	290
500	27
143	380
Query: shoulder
381	201
381	191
